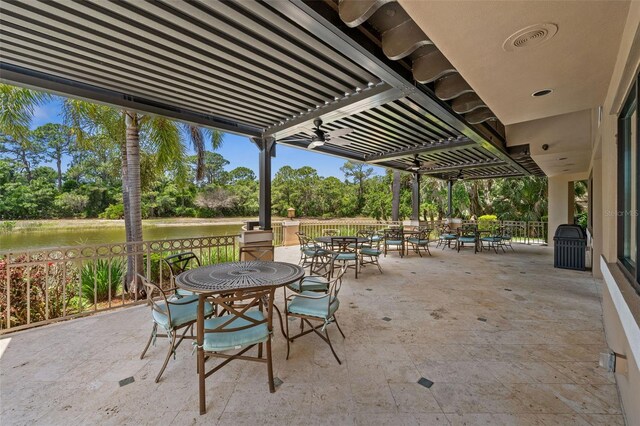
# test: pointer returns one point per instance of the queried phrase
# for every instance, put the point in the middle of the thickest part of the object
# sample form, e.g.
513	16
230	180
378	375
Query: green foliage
114	211
487	221
101	278
7	225
71	205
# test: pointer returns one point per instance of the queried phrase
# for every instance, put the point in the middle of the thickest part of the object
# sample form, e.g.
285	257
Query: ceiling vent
530	36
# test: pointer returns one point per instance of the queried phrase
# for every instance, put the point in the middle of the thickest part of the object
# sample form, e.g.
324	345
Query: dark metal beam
24	77
266	146
426	148
325	23
449	198
415	197
481	164
365	99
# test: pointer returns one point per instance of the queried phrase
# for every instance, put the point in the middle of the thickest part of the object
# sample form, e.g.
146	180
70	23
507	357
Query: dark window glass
628	160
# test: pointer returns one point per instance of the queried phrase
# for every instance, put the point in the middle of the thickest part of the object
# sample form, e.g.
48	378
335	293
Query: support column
415	198
267	150
395	201
449	198
559	199
571	201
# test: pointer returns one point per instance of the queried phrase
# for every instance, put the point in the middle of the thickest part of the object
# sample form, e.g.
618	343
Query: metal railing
315	229
41	286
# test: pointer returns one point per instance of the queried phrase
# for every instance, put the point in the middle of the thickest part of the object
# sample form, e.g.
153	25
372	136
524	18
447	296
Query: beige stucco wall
605	173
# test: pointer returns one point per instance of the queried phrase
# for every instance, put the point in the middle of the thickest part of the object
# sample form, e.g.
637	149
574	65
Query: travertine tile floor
505	338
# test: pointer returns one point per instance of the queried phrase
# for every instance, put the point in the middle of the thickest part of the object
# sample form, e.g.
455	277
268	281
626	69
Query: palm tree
17	106
124	129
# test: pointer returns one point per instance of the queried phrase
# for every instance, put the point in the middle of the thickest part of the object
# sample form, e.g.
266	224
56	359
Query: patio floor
505	339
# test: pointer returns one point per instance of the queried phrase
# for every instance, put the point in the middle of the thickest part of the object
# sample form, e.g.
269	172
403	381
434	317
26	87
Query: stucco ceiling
576	63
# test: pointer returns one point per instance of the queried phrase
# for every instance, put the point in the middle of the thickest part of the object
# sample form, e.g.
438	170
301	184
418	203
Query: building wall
621	314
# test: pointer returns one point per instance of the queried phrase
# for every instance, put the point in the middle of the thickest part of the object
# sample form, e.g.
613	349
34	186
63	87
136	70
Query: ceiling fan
319	137
418	165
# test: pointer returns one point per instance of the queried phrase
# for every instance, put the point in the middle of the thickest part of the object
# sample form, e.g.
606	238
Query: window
628	185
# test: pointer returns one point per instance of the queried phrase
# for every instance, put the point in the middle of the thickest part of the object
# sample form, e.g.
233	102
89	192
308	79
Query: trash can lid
570	231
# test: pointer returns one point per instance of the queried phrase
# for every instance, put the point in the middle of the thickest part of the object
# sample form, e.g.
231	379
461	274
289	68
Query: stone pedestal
255	237
289	229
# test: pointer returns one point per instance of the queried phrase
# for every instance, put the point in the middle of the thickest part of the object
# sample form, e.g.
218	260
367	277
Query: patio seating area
499	339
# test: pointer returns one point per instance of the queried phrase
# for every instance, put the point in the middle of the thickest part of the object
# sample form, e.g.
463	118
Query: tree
123	129
56	141
359	173
25	152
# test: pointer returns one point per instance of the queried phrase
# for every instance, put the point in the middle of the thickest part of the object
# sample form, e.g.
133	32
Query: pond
52	237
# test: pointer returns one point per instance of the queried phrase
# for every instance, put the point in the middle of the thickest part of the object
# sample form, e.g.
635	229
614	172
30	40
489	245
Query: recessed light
542	92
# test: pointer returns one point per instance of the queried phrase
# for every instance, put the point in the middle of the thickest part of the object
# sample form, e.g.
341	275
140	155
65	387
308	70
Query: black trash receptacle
569	247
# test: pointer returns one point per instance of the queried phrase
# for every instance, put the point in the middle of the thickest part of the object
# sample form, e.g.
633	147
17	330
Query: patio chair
420	241
491	241
264	253
308	249
393	241
505	234
330	232
248	324
178	263
468	235
173	313
319	275
342	251
446	236
370	254
310	306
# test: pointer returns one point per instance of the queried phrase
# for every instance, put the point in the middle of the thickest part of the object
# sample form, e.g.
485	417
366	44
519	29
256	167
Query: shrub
114	211
71	205
7	225
485	222
100	277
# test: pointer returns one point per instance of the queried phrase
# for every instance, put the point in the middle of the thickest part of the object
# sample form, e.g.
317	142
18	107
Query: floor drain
482	319
413	273
369	289
386	319
277	382
507	289
468	273
425	382
127	381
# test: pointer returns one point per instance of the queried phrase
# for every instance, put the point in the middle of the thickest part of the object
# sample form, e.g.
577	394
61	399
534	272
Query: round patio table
229	276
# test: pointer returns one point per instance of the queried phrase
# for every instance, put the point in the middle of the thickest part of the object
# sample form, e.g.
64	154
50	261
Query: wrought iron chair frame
374	244
229	303
152	288
334	289
394	235
344	245
422	236
467	231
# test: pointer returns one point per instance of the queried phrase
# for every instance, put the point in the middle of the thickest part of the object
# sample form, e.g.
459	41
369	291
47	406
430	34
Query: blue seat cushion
505	237
182	292
224	341
319	308
346	256
375	238
393	242
313	252
312	283
467	239
418	241
370	252
491	239
184	313
448	237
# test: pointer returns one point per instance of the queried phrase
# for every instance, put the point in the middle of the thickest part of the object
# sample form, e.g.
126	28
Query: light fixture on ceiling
543	92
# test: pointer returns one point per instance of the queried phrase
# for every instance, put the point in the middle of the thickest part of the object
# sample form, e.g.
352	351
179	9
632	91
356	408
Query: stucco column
597	235
558	204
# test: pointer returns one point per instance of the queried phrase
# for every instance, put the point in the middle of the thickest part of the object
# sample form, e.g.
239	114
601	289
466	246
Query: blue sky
238	150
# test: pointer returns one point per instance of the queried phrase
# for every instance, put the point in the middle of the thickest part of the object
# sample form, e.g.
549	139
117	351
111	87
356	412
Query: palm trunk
134	189
127	218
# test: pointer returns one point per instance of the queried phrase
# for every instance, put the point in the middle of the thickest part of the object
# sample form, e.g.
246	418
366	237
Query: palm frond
17	106
164	136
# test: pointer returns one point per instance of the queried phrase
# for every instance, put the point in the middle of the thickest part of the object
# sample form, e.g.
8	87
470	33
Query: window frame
632	272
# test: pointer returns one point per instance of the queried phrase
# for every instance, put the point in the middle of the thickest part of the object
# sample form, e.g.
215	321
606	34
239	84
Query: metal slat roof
261	69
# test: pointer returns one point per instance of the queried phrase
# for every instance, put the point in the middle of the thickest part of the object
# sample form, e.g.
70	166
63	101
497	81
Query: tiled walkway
505	339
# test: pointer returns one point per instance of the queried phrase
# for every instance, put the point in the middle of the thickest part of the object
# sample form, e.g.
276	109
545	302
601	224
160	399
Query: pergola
266	70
